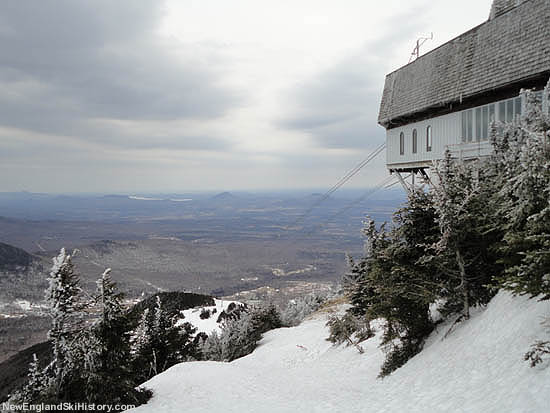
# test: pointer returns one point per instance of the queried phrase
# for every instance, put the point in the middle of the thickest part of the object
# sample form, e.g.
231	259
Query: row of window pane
415	141
484	115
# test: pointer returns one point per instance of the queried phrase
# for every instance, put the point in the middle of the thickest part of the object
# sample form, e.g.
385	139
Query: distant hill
223	196
103	247
13	258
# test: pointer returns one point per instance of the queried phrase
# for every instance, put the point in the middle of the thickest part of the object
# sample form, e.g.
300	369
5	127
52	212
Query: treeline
102	352
89	361
483	226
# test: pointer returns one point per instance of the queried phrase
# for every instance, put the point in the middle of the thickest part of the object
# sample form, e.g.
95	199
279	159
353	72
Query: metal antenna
416	51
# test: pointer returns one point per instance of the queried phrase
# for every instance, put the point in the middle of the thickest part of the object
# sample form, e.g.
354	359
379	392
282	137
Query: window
415	141
466	125
502	111
429	139
517	106
484	115
401	143
484	123
470	117
478	124
509	110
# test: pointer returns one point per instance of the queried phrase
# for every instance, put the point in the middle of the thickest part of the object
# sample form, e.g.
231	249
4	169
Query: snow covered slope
210	323
477	368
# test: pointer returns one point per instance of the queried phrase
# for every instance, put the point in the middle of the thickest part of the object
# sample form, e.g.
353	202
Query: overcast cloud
152	96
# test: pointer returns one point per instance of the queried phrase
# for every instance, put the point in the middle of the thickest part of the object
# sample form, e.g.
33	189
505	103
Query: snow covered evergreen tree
140	337
486	224
65	307
349	329
158	343
236	339
299	308
394	283
522	155
239	336
265	318
38	387
106	370
38	380
462	202
211	347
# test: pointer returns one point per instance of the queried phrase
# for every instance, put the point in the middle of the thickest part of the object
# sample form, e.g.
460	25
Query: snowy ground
210	324
477	368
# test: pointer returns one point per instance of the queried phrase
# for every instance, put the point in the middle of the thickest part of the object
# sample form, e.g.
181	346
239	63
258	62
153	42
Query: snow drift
478	367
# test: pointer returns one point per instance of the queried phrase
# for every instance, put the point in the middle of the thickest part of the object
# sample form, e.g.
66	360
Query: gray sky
185	95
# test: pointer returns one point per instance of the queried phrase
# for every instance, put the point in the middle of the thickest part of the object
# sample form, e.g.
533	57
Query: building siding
446	134
445	131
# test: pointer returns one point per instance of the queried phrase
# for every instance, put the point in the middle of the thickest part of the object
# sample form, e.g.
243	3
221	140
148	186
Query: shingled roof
503	6
512	46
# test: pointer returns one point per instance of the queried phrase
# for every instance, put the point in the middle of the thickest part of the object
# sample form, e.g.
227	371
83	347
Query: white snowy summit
478	367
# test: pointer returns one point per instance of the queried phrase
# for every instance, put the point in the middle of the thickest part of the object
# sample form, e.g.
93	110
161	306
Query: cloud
338	107
172	94
66	62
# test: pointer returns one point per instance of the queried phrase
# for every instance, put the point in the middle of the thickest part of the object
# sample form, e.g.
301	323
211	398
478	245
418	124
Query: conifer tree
461	203
264	319
239	336
38	381
297	309
211	347
393	281
159	342
141	336
106	367
38	386
65	307
522	154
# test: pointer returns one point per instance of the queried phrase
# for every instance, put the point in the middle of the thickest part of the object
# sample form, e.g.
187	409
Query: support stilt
403	183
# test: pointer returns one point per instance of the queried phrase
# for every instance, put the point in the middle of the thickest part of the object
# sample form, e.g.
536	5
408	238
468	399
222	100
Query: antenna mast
416	51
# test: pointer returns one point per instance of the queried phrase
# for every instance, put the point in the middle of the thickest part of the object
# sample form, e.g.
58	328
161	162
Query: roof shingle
506	49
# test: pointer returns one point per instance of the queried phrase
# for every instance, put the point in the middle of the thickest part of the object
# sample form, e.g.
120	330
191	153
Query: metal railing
470	150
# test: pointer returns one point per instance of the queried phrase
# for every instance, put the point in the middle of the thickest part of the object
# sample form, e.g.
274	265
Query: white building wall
446	130
446	134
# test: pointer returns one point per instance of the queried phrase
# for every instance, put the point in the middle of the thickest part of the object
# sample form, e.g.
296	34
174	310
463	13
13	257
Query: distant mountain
14	259
22	279
223	196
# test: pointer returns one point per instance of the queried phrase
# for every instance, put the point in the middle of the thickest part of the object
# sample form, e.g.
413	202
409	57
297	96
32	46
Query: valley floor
478	367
